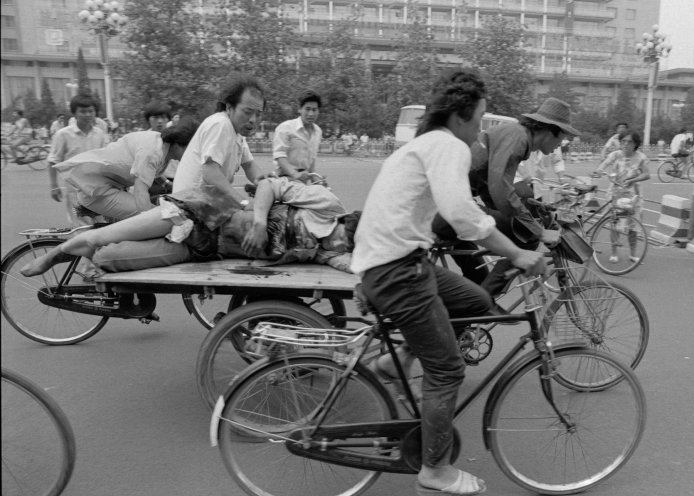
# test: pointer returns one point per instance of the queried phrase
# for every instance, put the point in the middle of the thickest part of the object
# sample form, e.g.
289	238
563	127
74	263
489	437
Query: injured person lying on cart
288	221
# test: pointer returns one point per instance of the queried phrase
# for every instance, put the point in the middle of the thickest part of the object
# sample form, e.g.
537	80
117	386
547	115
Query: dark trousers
420	297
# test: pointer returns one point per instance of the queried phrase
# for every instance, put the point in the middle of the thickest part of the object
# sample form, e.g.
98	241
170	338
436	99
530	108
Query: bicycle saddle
585	188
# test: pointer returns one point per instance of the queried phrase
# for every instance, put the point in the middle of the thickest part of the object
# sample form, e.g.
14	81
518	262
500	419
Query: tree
687	113
594	127
497	53
33	110
49	109
560	88
624	110
169	58
254	39
81	75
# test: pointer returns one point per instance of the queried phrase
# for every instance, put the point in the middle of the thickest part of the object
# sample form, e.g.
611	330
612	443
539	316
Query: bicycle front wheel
22	308
667	171
619	244
606	317
284	395
38	444
36	157
689	172
537	450
226	349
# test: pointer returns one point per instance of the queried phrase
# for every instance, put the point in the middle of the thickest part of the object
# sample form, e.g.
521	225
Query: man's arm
55	156
256	238
531	262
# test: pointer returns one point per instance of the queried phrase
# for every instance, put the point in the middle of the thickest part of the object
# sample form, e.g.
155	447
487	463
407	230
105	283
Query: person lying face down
290	222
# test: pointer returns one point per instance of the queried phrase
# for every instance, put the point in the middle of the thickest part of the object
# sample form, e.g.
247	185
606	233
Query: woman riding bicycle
630	167
427	175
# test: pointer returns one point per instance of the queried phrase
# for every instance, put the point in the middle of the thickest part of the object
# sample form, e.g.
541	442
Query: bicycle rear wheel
619	244
38	444
667	171
33	319
537	451
607	317
226	351
36	157
267	404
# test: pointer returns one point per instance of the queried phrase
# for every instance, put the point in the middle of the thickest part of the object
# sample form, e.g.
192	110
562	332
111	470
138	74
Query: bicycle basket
573	247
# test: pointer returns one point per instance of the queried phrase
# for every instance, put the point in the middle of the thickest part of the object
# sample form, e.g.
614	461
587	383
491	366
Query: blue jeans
420	297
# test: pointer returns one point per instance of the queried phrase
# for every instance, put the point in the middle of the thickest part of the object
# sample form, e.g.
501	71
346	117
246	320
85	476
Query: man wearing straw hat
495	158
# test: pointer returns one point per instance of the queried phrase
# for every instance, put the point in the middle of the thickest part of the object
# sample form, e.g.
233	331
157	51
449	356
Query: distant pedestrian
56	125
296	142
614	143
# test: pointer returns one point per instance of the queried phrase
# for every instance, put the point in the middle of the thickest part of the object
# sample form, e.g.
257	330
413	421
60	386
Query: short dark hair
536	126
60	115
625	124
20	113
83	101
683	130
636	138
181	133
351	221
455	92
157	108
234	88
310	96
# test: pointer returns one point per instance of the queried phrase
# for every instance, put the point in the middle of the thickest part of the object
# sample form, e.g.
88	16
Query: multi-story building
591	40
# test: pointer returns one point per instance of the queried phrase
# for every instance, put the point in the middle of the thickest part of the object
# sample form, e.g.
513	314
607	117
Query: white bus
411	114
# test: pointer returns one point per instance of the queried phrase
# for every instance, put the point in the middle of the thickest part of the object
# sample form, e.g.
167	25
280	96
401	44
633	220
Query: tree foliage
48	107
560	87
497	53
624	110
81	75
170	57
687	113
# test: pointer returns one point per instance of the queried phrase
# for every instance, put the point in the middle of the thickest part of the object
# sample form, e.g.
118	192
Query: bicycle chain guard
86	299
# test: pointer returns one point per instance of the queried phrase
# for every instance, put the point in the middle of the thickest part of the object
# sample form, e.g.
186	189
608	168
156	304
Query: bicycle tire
536	451
36	157
607	236
224	351
209	309
22	309
689	172
664	169
5	159
606	317
36	438
268	402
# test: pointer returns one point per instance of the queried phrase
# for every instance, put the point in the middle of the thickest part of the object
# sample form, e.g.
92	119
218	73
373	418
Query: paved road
142	430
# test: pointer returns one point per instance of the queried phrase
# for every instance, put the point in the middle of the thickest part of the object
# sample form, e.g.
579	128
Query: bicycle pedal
148	320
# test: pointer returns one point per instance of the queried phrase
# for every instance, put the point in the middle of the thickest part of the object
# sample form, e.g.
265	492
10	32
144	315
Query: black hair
181	133
310	96
625	124
351	221
536	126
157	108
456	92
60	115
83	101
683	130
636	137
20	113
233	90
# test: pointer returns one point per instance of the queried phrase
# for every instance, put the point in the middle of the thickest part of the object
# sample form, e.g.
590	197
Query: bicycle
681	167
34	155
603	315
38	444
619	239
558	420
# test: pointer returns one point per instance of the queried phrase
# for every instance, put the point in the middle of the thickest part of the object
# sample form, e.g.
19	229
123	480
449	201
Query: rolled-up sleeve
450	188
281	141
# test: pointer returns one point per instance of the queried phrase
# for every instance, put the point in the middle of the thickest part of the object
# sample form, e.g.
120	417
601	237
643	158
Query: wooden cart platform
231	275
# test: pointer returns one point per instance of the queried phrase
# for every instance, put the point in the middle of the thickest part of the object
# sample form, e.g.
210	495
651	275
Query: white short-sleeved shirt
136	155
293	141
70	141
215	140
427	175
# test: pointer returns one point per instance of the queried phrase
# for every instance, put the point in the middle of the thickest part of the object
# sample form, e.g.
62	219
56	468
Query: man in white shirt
430	174
296	142
613	144
73	139
678	146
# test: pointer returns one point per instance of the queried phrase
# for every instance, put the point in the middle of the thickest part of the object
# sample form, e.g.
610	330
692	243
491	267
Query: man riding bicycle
20	134
679	147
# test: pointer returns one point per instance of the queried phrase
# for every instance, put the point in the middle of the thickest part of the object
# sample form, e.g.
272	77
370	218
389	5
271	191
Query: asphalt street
141	428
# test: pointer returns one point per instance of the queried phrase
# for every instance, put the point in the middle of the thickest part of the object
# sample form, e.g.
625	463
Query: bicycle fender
36	242
501	383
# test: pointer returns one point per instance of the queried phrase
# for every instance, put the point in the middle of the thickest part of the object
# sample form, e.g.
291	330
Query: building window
631	14
10	44
8	21
19	86
8	2
629	33
612	11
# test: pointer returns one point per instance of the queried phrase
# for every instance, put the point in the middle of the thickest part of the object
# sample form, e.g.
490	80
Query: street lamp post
105	20
651	50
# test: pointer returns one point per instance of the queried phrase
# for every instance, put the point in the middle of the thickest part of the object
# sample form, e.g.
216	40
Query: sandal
386	377
461	487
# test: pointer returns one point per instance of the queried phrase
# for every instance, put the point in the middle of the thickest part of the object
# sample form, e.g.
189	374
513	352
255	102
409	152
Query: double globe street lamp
104	19
651	50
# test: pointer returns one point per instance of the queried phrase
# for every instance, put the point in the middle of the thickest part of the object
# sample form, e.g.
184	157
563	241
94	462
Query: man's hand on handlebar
550	237
532	263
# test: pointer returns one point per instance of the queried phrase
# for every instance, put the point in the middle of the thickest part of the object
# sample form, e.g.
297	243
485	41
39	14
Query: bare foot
38	266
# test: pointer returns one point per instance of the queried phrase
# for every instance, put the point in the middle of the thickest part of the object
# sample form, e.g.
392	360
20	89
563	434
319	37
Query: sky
677	23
